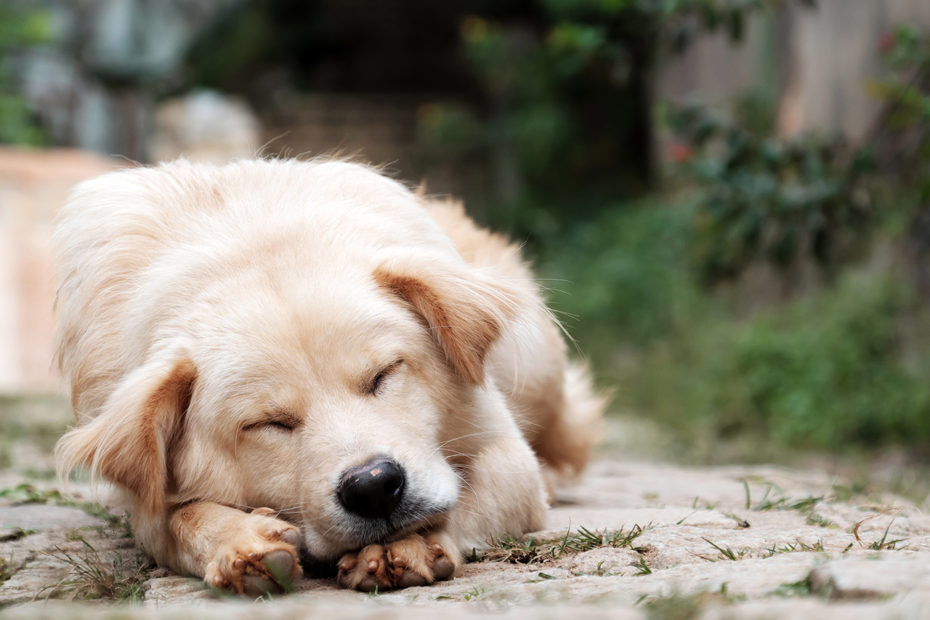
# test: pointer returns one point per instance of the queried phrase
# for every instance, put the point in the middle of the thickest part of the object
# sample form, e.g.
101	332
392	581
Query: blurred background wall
703	180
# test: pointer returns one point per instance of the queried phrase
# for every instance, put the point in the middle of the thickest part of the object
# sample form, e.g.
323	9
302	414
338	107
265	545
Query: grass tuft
775	499
7	569
727	552
642	568
94	575
882	544
532	551
16	533
795	547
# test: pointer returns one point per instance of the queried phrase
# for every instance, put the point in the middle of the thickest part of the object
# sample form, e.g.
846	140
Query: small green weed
6	568
882	544
642	568
775	499
740	522
678	606
696	504
797	588
727	552
25	493
529	550
819	520
674	607
797	546
15	534
94	575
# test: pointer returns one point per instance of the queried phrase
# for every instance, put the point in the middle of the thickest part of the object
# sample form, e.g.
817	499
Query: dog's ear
128	441
464	308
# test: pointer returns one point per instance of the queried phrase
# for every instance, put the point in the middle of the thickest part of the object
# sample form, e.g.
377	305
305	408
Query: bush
626	275
830	370
763	197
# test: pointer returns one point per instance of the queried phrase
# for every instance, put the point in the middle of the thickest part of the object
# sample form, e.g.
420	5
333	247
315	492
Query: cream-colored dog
272	357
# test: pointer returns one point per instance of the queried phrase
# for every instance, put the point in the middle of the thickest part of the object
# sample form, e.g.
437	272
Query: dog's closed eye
277	420
374	386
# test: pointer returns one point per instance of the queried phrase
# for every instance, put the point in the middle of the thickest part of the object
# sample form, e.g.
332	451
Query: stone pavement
630	540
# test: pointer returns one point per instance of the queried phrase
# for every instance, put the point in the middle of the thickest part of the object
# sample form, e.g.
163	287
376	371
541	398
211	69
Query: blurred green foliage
628	274
767	197
828	371
564	121
840	368
840	364
19	28
902	136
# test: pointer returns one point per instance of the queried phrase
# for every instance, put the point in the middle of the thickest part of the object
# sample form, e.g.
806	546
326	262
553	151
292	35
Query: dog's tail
566	443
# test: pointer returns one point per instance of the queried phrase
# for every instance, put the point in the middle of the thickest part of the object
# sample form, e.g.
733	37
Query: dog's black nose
372	490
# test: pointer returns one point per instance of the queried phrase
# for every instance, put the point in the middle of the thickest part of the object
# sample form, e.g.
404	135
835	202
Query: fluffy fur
238	337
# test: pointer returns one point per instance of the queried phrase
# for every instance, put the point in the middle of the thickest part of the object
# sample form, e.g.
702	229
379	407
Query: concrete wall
819	63
833	58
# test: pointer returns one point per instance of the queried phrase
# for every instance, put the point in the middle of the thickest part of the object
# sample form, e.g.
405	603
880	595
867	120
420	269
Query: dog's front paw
408	562
259	557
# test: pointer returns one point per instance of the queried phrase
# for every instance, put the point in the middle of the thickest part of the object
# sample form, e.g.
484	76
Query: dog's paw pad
443	567
443	553
365	570
259	558
254	573
281	566
402	574
409	579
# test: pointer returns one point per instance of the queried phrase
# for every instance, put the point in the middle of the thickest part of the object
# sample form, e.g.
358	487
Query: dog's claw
443	568
291	537
369	584
265	512
257	585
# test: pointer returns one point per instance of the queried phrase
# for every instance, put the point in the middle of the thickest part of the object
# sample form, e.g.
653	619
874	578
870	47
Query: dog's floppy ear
464	307
127	442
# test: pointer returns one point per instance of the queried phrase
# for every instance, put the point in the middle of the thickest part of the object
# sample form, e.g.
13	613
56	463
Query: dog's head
340	394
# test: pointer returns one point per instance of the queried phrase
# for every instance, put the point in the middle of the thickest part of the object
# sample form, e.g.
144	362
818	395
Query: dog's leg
502	495
251	553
